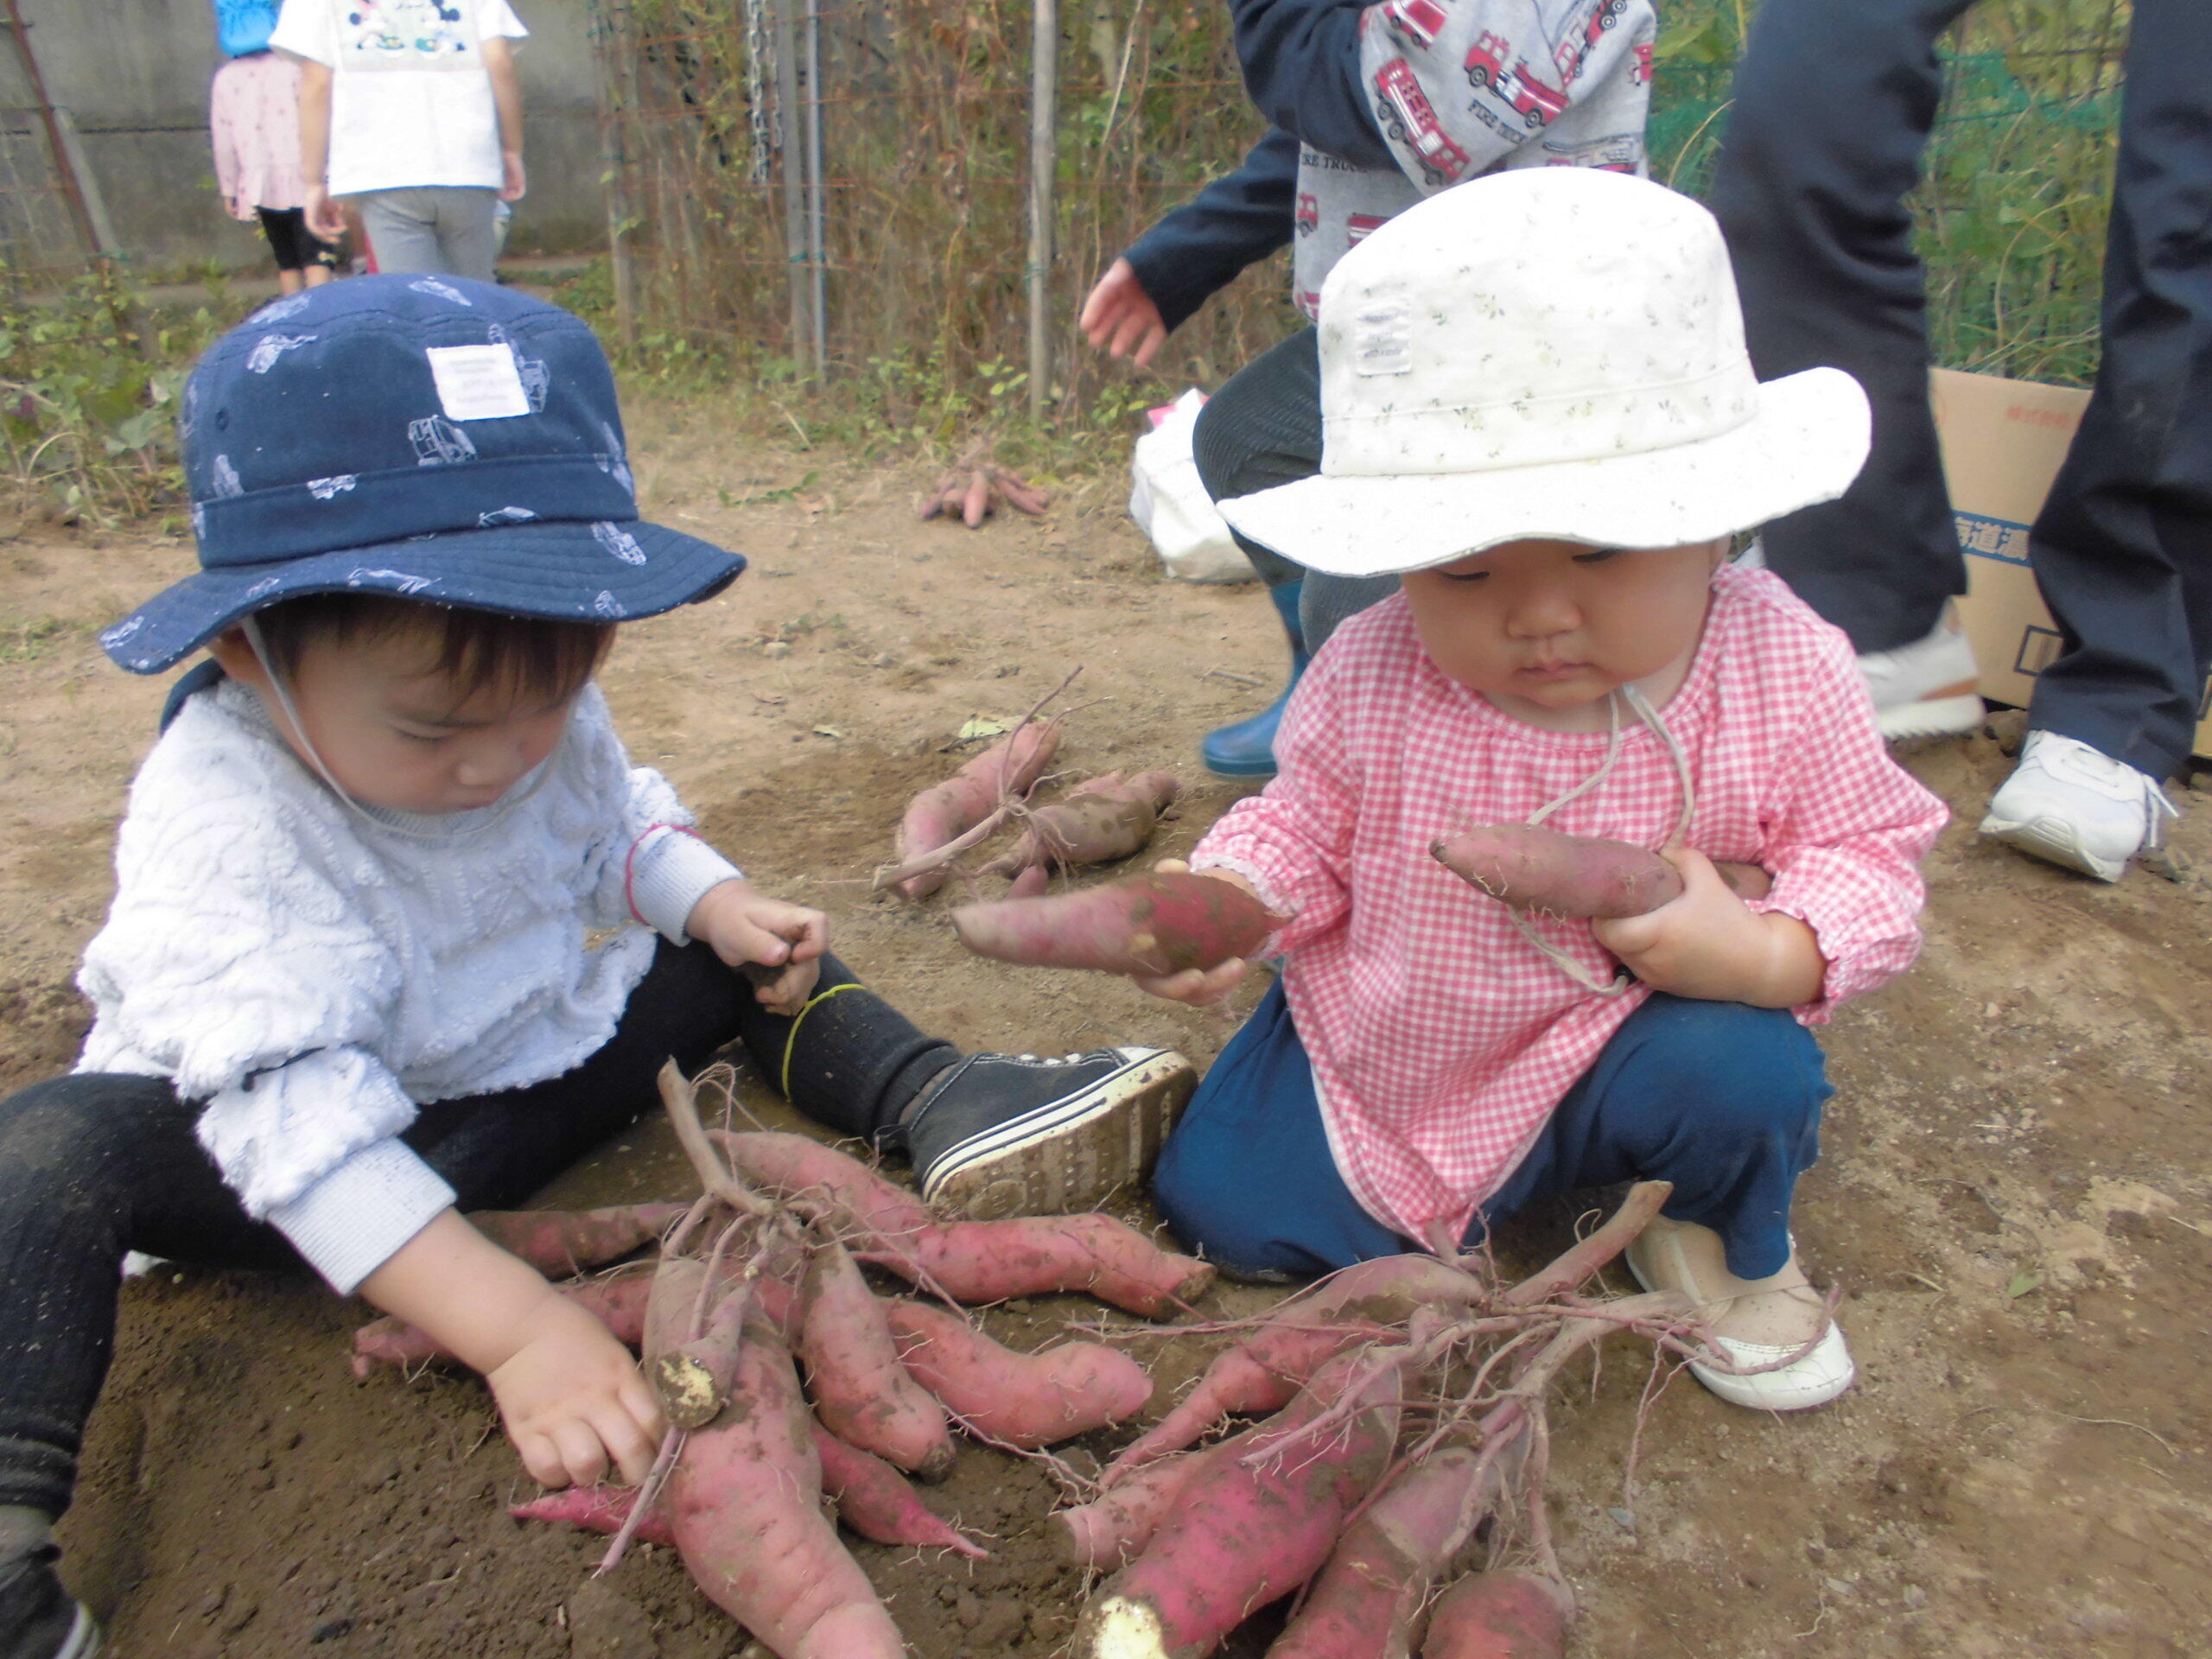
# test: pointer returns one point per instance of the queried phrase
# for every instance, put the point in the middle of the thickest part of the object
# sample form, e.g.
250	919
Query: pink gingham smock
253	118
1440	1040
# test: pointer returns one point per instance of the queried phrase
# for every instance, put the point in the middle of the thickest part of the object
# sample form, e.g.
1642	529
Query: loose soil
2014	1198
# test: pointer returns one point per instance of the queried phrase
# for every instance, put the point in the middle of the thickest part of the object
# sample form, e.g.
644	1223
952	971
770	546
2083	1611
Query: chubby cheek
1461	643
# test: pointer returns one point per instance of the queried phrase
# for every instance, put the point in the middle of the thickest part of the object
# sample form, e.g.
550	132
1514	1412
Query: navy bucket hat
429	437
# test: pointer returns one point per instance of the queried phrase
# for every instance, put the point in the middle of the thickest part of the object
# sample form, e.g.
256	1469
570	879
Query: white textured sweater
314	969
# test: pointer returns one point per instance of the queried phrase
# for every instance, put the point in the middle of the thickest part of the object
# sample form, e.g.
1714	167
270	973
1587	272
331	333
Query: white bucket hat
1554	352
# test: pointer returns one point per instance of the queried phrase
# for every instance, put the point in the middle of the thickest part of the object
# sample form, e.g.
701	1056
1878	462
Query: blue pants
1833	106
1721	1099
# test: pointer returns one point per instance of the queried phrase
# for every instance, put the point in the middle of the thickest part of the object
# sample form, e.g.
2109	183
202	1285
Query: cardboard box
2003	440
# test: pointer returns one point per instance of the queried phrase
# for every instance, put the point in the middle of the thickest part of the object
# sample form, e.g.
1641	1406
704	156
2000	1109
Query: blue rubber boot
1247	749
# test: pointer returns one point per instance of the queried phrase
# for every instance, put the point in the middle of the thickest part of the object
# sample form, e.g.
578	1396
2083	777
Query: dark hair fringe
478	650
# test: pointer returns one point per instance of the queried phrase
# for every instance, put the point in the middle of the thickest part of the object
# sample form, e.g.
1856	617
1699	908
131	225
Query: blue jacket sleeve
1300	59
1240	218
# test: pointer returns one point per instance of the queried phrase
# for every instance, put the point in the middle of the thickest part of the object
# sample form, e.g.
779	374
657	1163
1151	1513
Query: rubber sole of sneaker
1940	715
83	1641
2054	841
1074	1159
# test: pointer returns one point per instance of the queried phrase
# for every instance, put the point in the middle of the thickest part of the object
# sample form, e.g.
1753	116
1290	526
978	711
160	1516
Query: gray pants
443	230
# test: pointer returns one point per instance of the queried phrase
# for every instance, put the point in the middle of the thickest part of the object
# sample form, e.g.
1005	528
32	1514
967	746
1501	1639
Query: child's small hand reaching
1201	988
744	926
1708	944
574	1403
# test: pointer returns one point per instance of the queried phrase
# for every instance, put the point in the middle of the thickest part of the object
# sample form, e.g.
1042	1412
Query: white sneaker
2075	805
1926	688
1755	1323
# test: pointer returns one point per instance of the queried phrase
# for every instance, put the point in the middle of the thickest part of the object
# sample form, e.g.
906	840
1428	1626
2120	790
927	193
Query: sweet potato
1096	822
560	1243
862	1391
741	1507
1107	1532
1366	1602
1248	1528
1263	1371
1511	1613
618	1302
970	1260
874	1499
994	1261
1023	1400
870	1497
1535	868
1144	925
944	812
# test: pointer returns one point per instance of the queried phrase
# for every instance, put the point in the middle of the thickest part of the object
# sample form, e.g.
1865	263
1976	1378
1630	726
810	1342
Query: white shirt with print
410	103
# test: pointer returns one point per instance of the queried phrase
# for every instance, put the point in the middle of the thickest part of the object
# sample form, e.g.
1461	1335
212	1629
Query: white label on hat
477	383
1380	339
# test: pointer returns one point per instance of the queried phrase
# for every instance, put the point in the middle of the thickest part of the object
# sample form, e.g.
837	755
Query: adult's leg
1833	106
1248	1180
1721	1099
403	228
2123	549
468	232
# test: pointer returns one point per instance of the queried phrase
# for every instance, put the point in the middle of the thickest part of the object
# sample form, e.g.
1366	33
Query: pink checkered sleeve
1292	842
1847	829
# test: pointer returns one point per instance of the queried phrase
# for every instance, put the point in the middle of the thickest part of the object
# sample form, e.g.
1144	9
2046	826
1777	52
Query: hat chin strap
259	646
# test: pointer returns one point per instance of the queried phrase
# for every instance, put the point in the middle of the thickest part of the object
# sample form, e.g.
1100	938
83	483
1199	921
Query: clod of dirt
603	1625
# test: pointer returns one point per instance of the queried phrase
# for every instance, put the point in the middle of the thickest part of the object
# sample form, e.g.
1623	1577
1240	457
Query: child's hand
574	1403
1120	318
572	1400
1708	944
744	926
1201	988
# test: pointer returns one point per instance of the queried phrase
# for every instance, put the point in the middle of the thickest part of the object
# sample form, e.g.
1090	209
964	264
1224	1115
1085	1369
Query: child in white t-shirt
411	108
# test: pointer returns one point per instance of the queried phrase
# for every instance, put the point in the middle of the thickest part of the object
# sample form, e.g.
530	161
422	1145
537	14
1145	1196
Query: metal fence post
1044	166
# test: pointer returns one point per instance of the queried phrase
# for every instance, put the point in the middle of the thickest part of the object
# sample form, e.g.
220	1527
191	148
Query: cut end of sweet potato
1121	1627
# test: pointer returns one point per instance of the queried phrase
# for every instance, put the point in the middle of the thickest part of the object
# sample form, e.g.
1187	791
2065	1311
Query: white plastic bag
1173	508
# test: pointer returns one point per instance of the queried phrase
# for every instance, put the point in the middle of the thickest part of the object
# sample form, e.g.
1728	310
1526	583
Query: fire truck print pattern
1464	88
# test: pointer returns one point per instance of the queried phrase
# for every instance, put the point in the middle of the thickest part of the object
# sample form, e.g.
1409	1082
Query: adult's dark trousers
1262	429
98	1165
1833	104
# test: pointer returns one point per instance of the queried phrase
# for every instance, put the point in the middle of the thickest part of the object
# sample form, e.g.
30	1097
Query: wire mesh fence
838	188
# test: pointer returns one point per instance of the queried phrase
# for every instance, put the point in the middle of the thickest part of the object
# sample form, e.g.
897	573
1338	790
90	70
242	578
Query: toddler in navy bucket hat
400	930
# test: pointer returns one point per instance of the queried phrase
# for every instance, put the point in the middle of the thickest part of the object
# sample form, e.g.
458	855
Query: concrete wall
134	75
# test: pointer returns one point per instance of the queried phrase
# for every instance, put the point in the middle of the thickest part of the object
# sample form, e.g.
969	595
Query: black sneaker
1007	1134
38	1618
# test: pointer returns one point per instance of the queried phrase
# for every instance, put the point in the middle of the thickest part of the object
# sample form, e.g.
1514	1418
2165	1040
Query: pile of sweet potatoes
1407	1398
789	1379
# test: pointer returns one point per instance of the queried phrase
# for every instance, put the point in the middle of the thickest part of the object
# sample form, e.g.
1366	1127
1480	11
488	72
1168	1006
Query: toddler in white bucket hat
1537	411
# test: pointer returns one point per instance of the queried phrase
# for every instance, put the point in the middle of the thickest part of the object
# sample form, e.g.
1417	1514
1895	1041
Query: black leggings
98	1165
294	246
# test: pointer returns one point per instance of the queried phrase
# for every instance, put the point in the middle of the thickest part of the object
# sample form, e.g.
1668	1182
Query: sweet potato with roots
1366	1602
863	1394
943	813
741	1507
1107	1532
1014	1399
1262	1372
1534	868
1508	1613
1148	925
969	1261
871	1498
997	1261
1096	822
1249	1527
561	1243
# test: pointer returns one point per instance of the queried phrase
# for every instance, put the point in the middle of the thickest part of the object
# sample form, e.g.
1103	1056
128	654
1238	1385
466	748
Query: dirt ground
2014	1200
